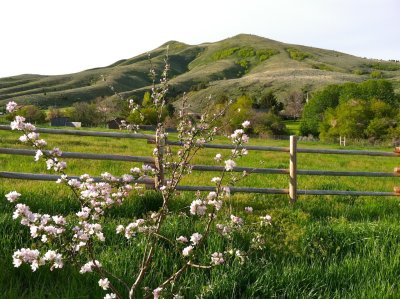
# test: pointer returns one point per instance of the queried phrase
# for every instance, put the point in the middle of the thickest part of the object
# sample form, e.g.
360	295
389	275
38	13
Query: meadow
320	247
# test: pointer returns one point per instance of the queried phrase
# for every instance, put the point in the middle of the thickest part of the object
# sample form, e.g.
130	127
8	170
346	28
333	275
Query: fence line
150	160
293	172
147	181
88	133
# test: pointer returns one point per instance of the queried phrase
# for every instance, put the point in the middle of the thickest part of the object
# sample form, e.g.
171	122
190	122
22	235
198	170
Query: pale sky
63	36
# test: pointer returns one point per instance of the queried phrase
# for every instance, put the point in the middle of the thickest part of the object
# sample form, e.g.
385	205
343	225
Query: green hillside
241	64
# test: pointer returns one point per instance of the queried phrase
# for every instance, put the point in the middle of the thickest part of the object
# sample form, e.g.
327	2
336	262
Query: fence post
159	158
293	169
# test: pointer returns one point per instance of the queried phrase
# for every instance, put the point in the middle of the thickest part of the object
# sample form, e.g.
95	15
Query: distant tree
294	104
314	110
85	113
368	90
359	119
268	124
238	112
54	112
170	109
270	102
147	101
33	114
106	109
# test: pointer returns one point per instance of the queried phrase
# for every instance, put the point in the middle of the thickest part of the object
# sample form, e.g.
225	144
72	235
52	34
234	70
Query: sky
52	37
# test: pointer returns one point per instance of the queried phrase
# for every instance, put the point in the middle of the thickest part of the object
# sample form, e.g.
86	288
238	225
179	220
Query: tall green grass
321	247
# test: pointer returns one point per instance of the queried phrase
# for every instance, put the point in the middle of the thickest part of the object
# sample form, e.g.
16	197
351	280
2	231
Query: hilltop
240	64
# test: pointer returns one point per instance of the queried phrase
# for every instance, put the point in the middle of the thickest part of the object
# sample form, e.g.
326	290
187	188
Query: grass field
322	247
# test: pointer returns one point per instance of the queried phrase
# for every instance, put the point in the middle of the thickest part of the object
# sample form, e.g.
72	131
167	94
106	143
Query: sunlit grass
322	247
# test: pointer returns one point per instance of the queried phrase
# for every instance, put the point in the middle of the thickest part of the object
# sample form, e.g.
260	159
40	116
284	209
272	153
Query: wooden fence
292	171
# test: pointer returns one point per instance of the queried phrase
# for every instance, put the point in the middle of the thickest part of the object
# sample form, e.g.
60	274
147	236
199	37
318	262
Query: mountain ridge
240	64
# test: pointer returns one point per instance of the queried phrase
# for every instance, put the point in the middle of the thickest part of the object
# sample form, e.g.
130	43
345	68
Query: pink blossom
195	238
266	219
212	195
23	138
90	266
18	123
246	124
198	207
29	256
120	229
236	220
55	258
216	180
223	229
217	258
157	292
248	210
12	196
104	283
135	170
39	153
216	203
11	106
229	165
187	250
56	152
218	157
182	239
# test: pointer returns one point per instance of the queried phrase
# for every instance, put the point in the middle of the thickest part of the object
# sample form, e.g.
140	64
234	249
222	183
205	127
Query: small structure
59	121
64	122
116	123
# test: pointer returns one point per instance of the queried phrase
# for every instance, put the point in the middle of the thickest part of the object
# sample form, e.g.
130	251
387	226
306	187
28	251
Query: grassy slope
198	64
323	247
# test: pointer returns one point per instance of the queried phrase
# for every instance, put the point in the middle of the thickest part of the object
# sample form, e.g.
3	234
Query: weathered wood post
293	169
159	158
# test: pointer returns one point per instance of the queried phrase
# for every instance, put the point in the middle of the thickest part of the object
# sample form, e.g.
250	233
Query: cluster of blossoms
32	257
194	240
217	258
44	225
139	226
199	207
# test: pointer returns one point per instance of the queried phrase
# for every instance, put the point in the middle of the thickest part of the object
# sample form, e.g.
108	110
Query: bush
359	119
268	124
298	55
333	95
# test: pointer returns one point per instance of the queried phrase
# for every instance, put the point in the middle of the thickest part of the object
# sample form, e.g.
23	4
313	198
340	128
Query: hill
241	64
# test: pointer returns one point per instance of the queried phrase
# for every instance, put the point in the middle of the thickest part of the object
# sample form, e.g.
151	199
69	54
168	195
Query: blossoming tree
63	239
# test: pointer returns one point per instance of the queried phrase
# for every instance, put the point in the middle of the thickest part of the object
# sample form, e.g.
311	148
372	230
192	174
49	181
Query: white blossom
229	165
216	180
11	106
195	238
12	196
198	207
218	157
187	250
248	210
217	258
236	220
89	266
182	239
156	292
246	124
39	153
104	283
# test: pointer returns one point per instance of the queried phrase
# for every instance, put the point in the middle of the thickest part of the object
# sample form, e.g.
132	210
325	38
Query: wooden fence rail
292	171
